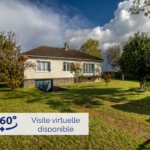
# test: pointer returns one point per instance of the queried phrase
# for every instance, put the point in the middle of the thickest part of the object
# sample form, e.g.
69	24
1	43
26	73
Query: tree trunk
122	77
142	83
76	82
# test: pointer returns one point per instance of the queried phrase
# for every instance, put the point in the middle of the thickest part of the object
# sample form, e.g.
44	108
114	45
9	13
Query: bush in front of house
112	74
106	76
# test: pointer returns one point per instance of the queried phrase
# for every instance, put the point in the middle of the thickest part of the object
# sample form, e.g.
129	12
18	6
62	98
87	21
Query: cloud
36	24
116	31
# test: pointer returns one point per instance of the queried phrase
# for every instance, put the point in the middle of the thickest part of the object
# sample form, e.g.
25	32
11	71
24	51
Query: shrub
130	76
147	78
112	74
76	70
25	57
107	77
118	75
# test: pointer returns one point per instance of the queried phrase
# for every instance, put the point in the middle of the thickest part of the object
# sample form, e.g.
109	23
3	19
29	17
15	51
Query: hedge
118	75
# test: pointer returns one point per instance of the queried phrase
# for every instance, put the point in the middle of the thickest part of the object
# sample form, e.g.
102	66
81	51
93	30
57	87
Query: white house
54	63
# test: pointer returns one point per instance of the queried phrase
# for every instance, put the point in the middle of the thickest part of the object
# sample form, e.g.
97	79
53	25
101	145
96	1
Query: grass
118	117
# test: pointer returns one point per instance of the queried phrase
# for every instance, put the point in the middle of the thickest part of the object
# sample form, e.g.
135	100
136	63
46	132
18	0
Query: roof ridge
45	46
58	47
52	46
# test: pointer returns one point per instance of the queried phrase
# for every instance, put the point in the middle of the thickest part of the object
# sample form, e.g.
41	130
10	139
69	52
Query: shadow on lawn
63	100
140	107
77	96
81	97
4	87
95	91
66	104
61	106
105	94
143	146
19	94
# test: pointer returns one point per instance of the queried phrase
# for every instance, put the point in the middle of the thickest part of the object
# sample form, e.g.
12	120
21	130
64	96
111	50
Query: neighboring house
54	63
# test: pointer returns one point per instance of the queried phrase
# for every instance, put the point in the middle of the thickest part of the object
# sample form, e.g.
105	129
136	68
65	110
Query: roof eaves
101	60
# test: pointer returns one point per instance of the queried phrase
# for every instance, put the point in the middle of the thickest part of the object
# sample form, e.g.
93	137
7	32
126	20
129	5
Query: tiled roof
59	52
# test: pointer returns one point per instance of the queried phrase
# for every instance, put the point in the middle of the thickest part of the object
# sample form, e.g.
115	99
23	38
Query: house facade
54	63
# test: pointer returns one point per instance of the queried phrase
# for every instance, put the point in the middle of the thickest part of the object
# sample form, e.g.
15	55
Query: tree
13	64
135	9
76	69
113	54
91	47
135	58
2	38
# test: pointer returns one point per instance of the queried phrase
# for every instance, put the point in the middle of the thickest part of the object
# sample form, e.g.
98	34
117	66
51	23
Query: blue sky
97	12
53	22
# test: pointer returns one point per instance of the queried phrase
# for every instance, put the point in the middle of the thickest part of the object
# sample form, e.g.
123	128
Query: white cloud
116	31
36	25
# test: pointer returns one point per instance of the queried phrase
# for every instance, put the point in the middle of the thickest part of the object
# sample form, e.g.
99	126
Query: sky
53	22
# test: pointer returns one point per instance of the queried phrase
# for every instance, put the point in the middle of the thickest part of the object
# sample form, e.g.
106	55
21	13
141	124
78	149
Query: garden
119	117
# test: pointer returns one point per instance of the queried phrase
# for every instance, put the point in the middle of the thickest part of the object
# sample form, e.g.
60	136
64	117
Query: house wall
56	72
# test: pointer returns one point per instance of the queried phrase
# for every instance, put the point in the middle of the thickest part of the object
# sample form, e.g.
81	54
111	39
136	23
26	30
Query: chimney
66	46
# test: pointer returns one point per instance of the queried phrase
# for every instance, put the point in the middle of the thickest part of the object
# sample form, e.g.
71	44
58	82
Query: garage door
44	85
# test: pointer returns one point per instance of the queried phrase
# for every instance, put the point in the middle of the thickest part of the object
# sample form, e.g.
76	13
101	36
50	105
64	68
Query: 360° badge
8	120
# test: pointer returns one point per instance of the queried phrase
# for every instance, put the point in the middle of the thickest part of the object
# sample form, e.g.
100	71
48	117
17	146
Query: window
66	66
88	68
43	66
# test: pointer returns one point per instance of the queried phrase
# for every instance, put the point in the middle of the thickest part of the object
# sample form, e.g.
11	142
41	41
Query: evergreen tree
135	58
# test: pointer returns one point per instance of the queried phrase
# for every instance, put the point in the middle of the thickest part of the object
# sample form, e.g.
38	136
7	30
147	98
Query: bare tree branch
135	9
113	54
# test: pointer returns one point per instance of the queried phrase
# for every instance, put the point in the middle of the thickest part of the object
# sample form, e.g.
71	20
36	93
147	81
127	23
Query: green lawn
119	119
